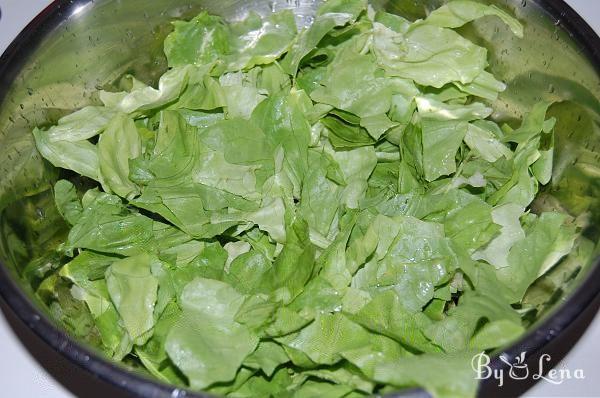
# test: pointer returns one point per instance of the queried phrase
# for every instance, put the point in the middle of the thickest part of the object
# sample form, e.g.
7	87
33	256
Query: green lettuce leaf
79	156
206	343
119	144
454	375
132	288
330	15
548	240
457	13
200	41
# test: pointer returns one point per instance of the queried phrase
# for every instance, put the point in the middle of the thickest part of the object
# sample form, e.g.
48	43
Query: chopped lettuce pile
326	212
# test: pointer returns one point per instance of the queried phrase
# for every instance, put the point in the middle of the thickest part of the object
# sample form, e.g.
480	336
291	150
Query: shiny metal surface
90	44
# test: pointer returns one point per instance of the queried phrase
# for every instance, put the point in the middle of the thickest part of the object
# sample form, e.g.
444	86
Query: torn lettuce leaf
457	13
80	156
206	343
119	144
454	374
81	125
253	41
260	41
67	201
199	41
133	290
331	14
547	240
145	98
432	56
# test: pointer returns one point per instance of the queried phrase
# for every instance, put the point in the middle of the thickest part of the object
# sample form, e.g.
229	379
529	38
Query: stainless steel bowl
75	46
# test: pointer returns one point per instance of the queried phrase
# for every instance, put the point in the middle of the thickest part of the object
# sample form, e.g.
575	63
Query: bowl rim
532	342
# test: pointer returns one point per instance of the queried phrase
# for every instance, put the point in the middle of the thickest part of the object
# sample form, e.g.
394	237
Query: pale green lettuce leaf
542	294
200	118
343	135
377	125
206	344
454	332
293	267
235	156
457	13
485	144
84	124
104	227
380	349
331	14
79	156
107	226
267	357
468	220
153	354
282	120
533	124
542	169
270	218
412	258
549	239
261	385
274	80
357	165
431	56
119	144
485	85
203	92
314	388
67	201
147	98
241	94
85	272
200	41
521	187
234	250
320	197
244	44
333	259
343	375
259	41
327	337
441	141
388	44
133	289
496	334
454	376
444	126
395	22
351	85
433	109
386	315
496	252
232	156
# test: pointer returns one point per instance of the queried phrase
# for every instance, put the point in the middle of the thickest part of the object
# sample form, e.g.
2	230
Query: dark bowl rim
533	342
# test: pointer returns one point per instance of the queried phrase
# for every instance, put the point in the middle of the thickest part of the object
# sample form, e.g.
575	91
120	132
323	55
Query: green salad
324	212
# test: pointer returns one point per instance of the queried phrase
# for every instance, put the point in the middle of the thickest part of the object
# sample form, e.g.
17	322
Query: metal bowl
75	46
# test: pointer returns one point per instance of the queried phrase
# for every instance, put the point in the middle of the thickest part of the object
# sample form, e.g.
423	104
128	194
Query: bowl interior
78	47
